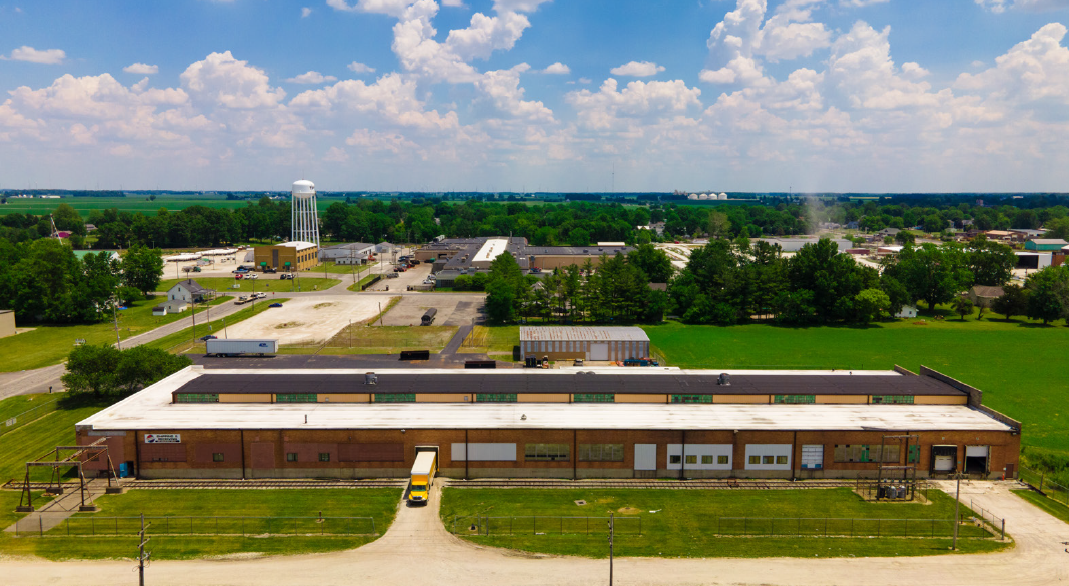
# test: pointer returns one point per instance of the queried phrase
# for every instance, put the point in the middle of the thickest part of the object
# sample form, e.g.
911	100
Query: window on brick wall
297	398
893	399
495	398
601	452
291	456
196	398
546	452
795	399
865	453
217	457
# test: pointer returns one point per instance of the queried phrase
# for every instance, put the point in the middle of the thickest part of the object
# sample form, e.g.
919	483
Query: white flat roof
491	250
297	244
152	409
613	333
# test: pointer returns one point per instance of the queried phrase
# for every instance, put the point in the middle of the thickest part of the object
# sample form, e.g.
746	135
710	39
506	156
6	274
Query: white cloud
861	3
996	6
141	69
517	5
392	98
312	77
639	99
453	3
487	34
46	56
637	69
861	66
1000	6
389	7
336	155
306	12
1033	70
358	67
225	81
373	141
557	68
503	89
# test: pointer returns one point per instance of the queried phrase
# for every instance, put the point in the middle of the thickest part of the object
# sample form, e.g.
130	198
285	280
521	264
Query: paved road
25	382
417	548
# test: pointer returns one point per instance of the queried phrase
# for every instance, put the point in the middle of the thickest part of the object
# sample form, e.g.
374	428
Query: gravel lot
309	319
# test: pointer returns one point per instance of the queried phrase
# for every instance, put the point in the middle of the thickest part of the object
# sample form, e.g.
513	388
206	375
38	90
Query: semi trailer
234	347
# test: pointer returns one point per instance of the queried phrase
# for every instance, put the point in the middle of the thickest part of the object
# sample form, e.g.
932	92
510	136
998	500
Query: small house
181	295
907	311
984	294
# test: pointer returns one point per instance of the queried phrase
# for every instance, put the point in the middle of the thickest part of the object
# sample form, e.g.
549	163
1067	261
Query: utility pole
380	314
350	333
612	530
115	319
193	301
957	504
142	557
224	328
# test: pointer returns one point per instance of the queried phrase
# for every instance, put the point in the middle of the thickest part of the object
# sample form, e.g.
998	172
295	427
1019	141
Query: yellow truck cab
423	471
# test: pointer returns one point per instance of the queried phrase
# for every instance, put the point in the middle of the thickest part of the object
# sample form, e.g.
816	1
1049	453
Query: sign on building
163	438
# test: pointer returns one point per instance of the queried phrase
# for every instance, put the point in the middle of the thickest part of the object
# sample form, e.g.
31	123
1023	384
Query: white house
907	311
180	296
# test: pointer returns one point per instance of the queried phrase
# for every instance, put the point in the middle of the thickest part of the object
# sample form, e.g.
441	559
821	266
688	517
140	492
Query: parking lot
413	276
453	310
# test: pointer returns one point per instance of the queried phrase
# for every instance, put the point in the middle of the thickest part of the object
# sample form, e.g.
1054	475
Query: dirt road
417	549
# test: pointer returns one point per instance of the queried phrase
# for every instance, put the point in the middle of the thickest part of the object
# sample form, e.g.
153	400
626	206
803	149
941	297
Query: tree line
44	281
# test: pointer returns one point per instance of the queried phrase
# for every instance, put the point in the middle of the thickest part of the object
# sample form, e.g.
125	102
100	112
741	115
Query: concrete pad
453	310
309	319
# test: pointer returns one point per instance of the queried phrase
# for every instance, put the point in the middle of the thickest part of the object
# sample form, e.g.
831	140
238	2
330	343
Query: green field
497	340
1055	509
132	203
266	283
43	430
368	339
50	344
176	507
1020	367
683	523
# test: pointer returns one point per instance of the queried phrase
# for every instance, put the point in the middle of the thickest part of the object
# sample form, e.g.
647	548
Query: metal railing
997	523
472	525
1040	482
842	527
92	525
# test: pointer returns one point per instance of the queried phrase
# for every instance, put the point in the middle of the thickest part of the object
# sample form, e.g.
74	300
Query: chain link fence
91	525
472	525
856	527
1040	482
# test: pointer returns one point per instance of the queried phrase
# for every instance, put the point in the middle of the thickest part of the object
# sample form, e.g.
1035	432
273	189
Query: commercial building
470	255
288	256
353	253
1045	244
605	422
588	343
7	323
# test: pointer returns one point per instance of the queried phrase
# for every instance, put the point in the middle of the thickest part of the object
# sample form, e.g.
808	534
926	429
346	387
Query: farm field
169	541
50	344
682	523
266	283
1019	366
132	203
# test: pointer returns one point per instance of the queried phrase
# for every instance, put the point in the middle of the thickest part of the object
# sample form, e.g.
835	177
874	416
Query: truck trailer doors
944	459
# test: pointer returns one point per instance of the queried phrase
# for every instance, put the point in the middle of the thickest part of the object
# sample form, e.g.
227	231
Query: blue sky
724	95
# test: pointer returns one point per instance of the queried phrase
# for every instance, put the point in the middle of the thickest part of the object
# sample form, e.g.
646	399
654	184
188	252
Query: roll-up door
599	351
944	458
645	456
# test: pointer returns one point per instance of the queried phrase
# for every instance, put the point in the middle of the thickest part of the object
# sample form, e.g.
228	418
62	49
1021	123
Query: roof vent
370	378
724	379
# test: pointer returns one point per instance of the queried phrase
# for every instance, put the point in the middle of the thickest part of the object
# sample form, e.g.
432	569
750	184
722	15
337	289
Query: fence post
40	524
1003	529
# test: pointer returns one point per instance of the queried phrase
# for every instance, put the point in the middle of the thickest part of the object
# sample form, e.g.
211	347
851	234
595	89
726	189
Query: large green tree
1013	301
934	274
103	369
142	268
652	261
1048	294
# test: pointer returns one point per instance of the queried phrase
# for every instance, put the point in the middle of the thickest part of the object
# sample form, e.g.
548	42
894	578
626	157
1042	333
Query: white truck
234	347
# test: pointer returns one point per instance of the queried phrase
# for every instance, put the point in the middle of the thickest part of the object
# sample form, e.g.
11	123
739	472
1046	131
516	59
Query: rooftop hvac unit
370	378
724	379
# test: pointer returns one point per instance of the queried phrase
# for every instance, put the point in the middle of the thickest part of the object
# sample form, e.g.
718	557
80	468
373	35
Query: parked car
275	305
196	269
206	338
415	262
428	281
252	276
285	276
239	275
270	270
392	275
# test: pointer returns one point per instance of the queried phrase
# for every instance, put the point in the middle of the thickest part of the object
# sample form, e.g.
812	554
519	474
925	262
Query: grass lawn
363	281
50	344
263	283
182	341
379	504
338	269
26	409
492	340
42	433
685	522
1055	508
389	339
1020	366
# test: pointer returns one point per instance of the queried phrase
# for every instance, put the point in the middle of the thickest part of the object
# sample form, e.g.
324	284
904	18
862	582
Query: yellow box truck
423	470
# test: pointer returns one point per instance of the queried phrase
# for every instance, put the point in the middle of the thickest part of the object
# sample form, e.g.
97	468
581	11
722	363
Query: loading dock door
944	458
976	459
645	456
600	351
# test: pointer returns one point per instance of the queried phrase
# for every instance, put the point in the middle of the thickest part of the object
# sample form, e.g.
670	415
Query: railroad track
229	484
658	484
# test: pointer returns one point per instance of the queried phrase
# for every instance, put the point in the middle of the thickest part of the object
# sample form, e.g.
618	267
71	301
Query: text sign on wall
163	438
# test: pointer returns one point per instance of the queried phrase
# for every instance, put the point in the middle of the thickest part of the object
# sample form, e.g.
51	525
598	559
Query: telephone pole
957	504
115	319
142	557
612	531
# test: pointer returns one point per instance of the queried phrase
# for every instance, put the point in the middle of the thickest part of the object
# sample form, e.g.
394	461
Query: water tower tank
303	189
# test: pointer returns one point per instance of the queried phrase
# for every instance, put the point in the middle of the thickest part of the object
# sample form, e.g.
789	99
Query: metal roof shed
588	343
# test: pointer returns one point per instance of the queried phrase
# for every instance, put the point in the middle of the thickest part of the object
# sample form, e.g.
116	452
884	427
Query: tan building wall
941	400
7	323
566	398
299	259
842	399
549	263
245	398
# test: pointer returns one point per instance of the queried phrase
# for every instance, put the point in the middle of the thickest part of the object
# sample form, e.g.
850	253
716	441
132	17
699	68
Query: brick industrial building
607	422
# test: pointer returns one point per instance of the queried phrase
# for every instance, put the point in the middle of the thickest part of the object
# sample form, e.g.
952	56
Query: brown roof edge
1000	417
976	396
905	371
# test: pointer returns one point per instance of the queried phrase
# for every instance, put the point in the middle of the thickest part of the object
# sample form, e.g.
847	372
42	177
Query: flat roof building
591	422
288	256
469	255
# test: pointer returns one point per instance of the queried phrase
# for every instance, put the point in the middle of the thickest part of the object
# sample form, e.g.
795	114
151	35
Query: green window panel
495	397
594	398
914	454
547	452
692	398
795	399
196	398
395	397
893	399
601	452
297	398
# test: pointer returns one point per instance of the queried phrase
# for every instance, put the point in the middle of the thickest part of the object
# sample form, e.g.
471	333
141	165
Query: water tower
303	215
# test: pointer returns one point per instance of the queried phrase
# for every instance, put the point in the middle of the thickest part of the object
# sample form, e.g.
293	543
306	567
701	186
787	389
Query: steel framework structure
79	456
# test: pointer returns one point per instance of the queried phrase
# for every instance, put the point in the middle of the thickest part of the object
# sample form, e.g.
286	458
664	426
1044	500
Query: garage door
645	456
944	458
599	351
975	451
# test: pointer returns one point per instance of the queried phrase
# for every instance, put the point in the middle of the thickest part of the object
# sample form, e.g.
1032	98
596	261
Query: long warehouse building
591	423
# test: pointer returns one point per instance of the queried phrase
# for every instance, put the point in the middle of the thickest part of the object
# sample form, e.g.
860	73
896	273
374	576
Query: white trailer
240	347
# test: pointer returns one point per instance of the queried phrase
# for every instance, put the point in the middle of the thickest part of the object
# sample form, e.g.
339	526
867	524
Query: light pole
957	504
612	531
